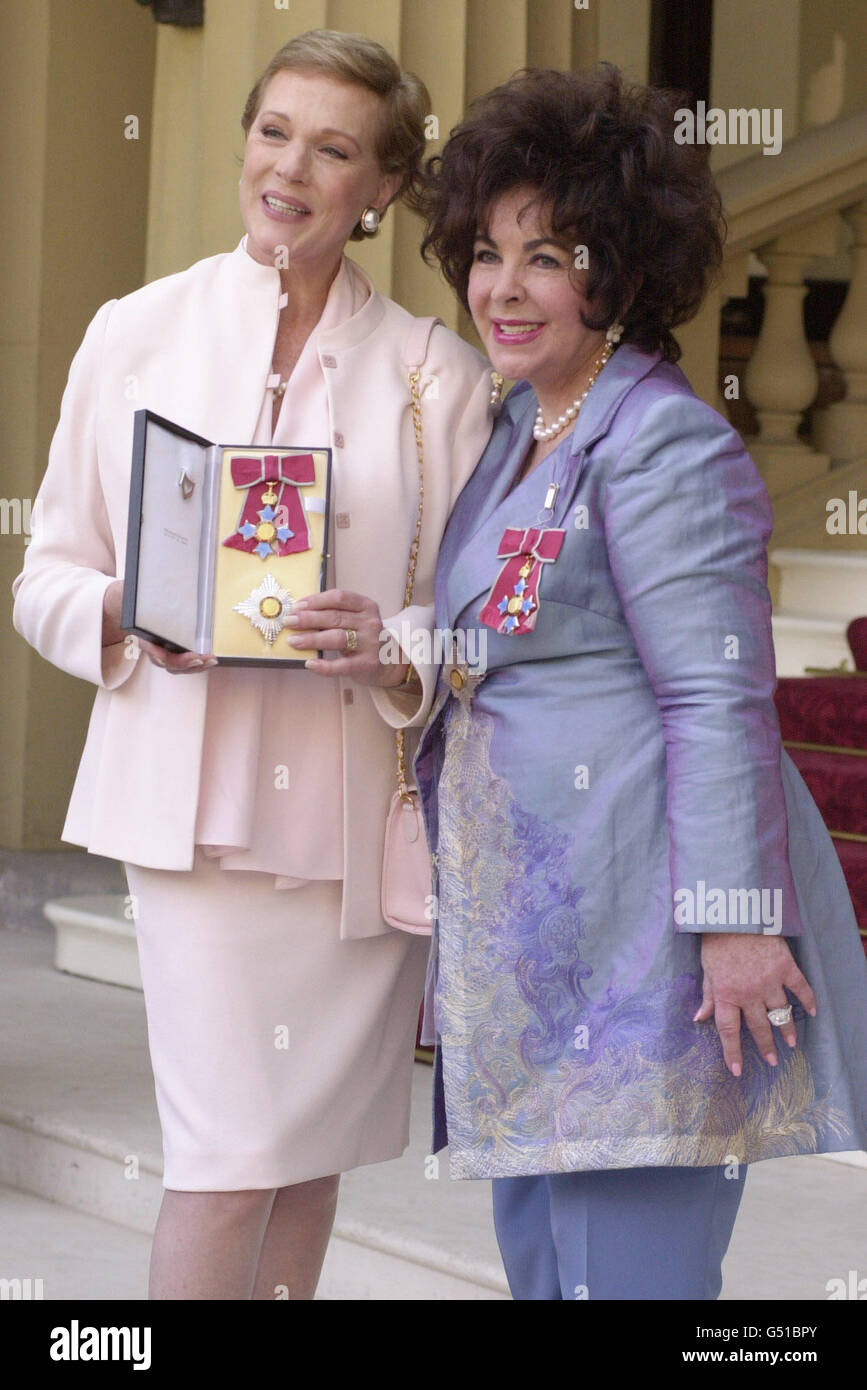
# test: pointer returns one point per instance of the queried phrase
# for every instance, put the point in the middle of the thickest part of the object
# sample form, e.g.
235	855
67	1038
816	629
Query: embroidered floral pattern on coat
541	1072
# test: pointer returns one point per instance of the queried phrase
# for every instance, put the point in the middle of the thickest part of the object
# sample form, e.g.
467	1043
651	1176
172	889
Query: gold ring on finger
351	639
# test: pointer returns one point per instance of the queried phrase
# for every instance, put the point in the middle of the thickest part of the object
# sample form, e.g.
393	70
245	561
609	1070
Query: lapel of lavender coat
509	441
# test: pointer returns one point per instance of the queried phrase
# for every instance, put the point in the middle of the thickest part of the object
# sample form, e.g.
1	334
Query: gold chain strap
414	378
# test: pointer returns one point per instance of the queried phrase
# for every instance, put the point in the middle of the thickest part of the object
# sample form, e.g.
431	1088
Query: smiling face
526	298
310	167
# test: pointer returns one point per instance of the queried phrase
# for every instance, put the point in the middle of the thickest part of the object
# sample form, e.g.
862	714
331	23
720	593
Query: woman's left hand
749	975
328	617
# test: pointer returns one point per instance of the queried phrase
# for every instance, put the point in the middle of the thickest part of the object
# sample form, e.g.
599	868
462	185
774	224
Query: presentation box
222	539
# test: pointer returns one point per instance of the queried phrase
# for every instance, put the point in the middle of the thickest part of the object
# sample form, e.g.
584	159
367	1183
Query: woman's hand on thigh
745	976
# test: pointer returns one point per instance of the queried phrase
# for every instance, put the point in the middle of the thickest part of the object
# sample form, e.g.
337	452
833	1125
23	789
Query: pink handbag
406	867
406	877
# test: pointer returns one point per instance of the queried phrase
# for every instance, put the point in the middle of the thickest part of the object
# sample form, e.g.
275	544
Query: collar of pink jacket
343	334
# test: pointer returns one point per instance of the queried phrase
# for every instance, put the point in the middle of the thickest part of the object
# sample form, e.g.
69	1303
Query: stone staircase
80	1158
823	723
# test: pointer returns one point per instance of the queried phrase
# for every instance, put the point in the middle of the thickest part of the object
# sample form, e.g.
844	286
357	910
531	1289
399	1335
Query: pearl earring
614	334
370	220
496	389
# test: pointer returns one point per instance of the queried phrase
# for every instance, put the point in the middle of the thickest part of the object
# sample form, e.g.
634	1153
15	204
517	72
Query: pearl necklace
541	431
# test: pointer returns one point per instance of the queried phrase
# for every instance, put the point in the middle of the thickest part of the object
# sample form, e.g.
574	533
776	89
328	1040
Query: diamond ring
779	1017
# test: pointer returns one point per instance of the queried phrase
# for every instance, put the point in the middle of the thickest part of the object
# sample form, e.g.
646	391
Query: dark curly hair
603	158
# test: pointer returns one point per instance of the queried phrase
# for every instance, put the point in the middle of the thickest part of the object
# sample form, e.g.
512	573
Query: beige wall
73	222
754	62
808	58
832	60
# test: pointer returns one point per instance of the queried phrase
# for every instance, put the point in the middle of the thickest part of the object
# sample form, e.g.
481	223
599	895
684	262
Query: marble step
822	583
820	593
802	642
94	937
59	1253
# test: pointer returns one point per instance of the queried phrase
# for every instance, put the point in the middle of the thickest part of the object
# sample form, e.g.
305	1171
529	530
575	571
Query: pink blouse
271	788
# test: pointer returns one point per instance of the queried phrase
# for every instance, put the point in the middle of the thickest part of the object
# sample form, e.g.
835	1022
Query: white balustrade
844	429
781	377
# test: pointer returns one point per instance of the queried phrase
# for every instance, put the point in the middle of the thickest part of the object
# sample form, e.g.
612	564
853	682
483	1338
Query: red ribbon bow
277	527
512	606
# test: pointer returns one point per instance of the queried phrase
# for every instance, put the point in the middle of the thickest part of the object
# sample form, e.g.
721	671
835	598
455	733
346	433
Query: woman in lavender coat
647	969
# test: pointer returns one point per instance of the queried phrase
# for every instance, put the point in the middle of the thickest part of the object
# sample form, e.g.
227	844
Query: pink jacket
196	347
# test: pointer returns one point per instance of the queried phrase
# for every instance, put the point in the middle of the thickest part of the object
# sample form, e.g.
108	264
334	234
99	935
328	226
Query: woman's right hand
176	663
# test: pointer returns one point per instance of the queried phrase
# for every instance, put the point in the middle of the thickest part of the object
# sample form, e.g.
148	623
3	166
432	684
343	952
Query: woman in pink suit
281	1007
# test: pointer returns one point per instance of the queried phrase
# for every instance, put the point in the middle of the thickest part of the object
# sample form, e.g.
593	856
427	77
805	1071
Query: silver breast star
267	608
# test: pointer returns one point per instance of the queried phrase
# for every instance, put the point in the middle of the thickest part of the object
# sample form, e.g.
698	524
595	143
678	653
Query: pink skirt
280	1053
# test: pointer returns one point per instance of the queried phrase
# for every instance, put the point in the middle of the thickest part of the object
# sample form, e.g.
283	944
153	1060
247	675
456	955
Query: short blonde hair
400	141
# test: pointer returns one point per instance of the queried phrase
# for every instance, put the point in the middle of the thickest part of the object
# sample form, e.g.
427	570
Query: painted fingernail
812	1013
771	1058
793	1042
695	1015
736	1068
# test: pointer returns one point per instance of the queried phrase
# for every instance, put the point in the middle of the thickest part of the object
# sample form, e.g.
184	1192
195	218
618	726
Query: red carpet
823	721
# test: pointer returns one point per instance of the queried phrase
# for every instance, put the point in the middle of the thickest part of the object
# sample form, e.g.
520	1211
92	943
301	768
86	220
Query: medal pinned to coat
512	606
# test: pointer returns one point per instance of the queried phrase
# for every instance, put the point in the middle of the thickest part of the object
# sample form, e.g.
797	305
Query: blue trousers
618	1233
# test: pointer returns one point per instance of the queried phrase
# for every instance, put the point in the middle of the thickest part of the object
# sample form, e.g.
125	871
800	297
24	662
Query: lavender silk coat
614	786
